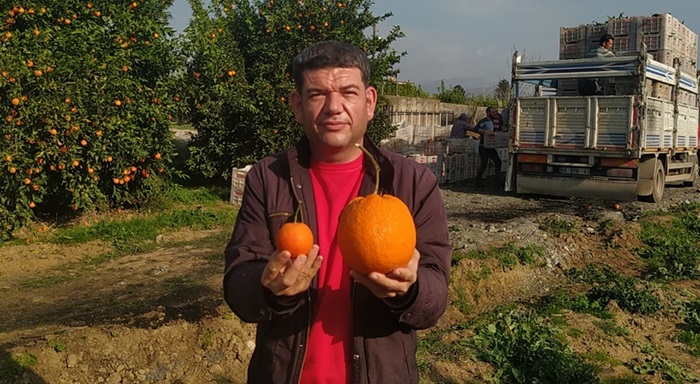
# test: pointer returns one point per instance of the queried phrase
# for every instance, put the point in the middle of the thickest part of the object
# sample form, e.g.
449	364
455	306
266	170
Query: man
604	49
488	125
460	127
317	321
592	86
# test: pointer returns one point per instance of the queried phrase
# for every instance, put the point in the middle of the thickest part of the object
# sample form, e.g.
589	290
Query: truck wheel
659	183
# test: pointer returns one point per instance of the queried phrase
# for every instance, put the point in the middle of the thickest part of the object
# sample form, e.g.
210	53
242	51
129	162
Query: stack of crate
665	37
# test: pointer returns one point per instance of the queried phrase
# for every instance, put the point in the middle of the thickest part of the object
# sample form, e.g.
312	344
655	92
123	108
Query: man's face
334	107
493	114
608	44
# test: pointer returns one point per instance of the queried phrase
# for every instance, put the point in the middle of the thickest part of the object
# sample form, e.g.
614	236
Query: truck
627	143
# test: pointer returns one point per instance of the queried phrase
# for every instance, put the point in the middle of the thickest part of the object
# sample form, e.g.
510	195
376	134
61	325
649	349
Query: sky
471	42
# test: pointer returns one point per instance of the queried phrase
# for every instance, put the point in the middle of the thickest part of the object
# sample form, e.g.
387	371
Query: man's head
329	54
607	41
463	117
332	100
491	112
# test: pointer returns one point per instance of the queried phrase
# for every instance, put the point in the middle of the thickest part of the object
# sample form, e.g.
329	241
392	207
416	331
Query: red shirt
329	348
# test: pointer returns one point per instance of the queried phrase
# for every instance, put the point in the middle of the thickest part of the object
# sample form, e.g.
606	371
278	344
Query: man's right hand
286	277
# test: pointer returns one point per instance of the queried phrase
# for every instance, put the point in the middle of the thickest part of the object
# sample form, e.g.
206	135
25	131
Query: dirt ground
159	317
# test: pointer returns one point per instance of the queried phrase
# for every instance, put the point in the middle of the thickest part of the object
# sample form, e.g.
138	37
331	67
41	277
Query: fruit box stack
238	184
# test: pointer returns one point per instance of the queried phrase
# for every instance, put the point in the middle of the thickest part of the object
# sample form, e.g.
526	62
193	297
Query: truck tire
659	183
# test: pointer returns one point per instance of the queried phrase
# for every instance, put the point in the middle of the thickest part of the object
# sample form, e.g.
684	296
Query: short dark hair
606	37
329	54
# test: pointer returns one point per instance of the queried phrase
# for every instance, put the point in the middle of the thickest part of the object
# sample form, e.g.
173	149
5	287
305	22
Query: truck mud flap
575	187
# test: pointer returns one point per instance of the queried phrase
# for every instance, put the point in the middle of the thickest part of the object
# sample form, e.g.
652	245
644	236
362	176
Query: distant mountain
473	85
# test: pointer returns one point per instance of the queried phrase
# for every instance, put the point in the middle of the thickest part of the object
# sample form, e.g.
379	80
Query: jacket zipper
305	339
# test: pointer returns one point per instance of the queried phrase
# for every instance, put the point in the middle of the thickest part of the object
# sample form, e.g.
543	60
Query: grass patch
508	255
13	366
525	348
610	328
631	294
601	358
556	227
671	245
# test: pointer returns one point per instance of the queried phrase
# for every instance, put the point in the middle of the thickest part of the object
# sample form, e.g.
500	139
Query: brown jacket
384	348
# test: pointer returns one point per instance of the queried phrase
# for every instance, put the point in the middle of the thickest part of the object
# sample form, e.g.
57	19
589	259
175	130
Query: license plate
575	171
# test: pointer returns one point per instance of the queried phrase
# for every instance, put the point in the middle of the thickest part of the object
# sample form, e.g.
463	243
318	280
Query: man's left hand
393	284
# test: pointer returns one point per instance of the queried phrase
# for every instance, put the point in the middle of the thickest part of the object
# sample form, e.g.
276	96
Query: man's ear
295	101
371	96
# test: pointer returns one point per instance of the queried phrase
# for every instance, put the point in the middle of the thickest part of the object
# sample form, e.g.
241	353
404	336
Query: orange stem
374	163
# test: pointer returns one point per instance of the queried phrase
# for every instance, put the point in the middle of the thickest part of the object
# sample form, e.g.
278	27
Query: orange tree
84	105
263	38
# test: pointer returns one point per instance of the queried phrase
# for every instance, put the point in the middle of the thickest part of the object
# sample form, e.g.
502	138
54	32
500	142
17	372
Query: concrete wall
428	112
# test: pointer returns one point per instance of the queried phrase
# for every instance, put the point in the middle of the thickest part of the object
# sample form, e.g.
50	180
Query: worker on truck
591	87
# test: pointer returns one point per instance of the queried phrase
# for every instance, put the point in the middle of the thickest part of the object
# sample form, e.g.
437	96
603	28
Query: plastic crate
238	176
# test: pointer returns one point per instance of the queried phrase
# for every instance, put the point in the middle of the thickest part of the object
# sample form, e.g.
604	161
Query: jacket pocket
275	220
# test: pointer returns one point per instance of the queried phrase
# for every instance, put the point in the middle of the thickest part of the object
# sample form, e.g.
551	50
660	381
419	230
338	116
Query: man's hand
393	284
286	277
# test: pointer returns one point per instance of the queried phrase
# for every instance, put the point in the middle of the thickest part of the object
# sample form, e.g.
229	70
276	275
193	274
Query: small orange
295	238
15	101
31	205
83	143
157	156
117	102
13	170
617	206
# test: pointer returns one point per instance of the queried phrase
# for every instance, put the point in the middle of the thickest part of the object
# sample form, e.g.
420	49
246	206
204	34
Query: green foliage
84	105
502	92
631	294
610	328
244	115
12	366
671	247
508	255
689	312
452	94
526	349
57	345
669	370
392	87
556	227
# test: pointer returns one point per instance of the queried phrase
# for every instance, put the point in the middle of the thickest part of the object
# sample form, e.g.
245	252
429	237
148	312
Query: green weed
524	348
57	345
610	328
601	358
508	255
462	302
671	246
631	294
668	369
13	366
624	379
556	227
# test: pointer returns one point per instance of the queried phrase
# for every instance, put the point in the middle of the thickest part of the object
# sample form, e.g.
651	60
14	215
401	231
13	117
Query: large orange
295	238
376	233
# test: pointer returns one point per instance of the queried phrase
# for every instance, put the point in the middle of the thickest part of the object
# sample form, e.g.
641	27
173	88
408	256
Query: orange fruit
83	142
157	156
617	206
117	102
376	233
27	181
295	238
32	204
15	101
